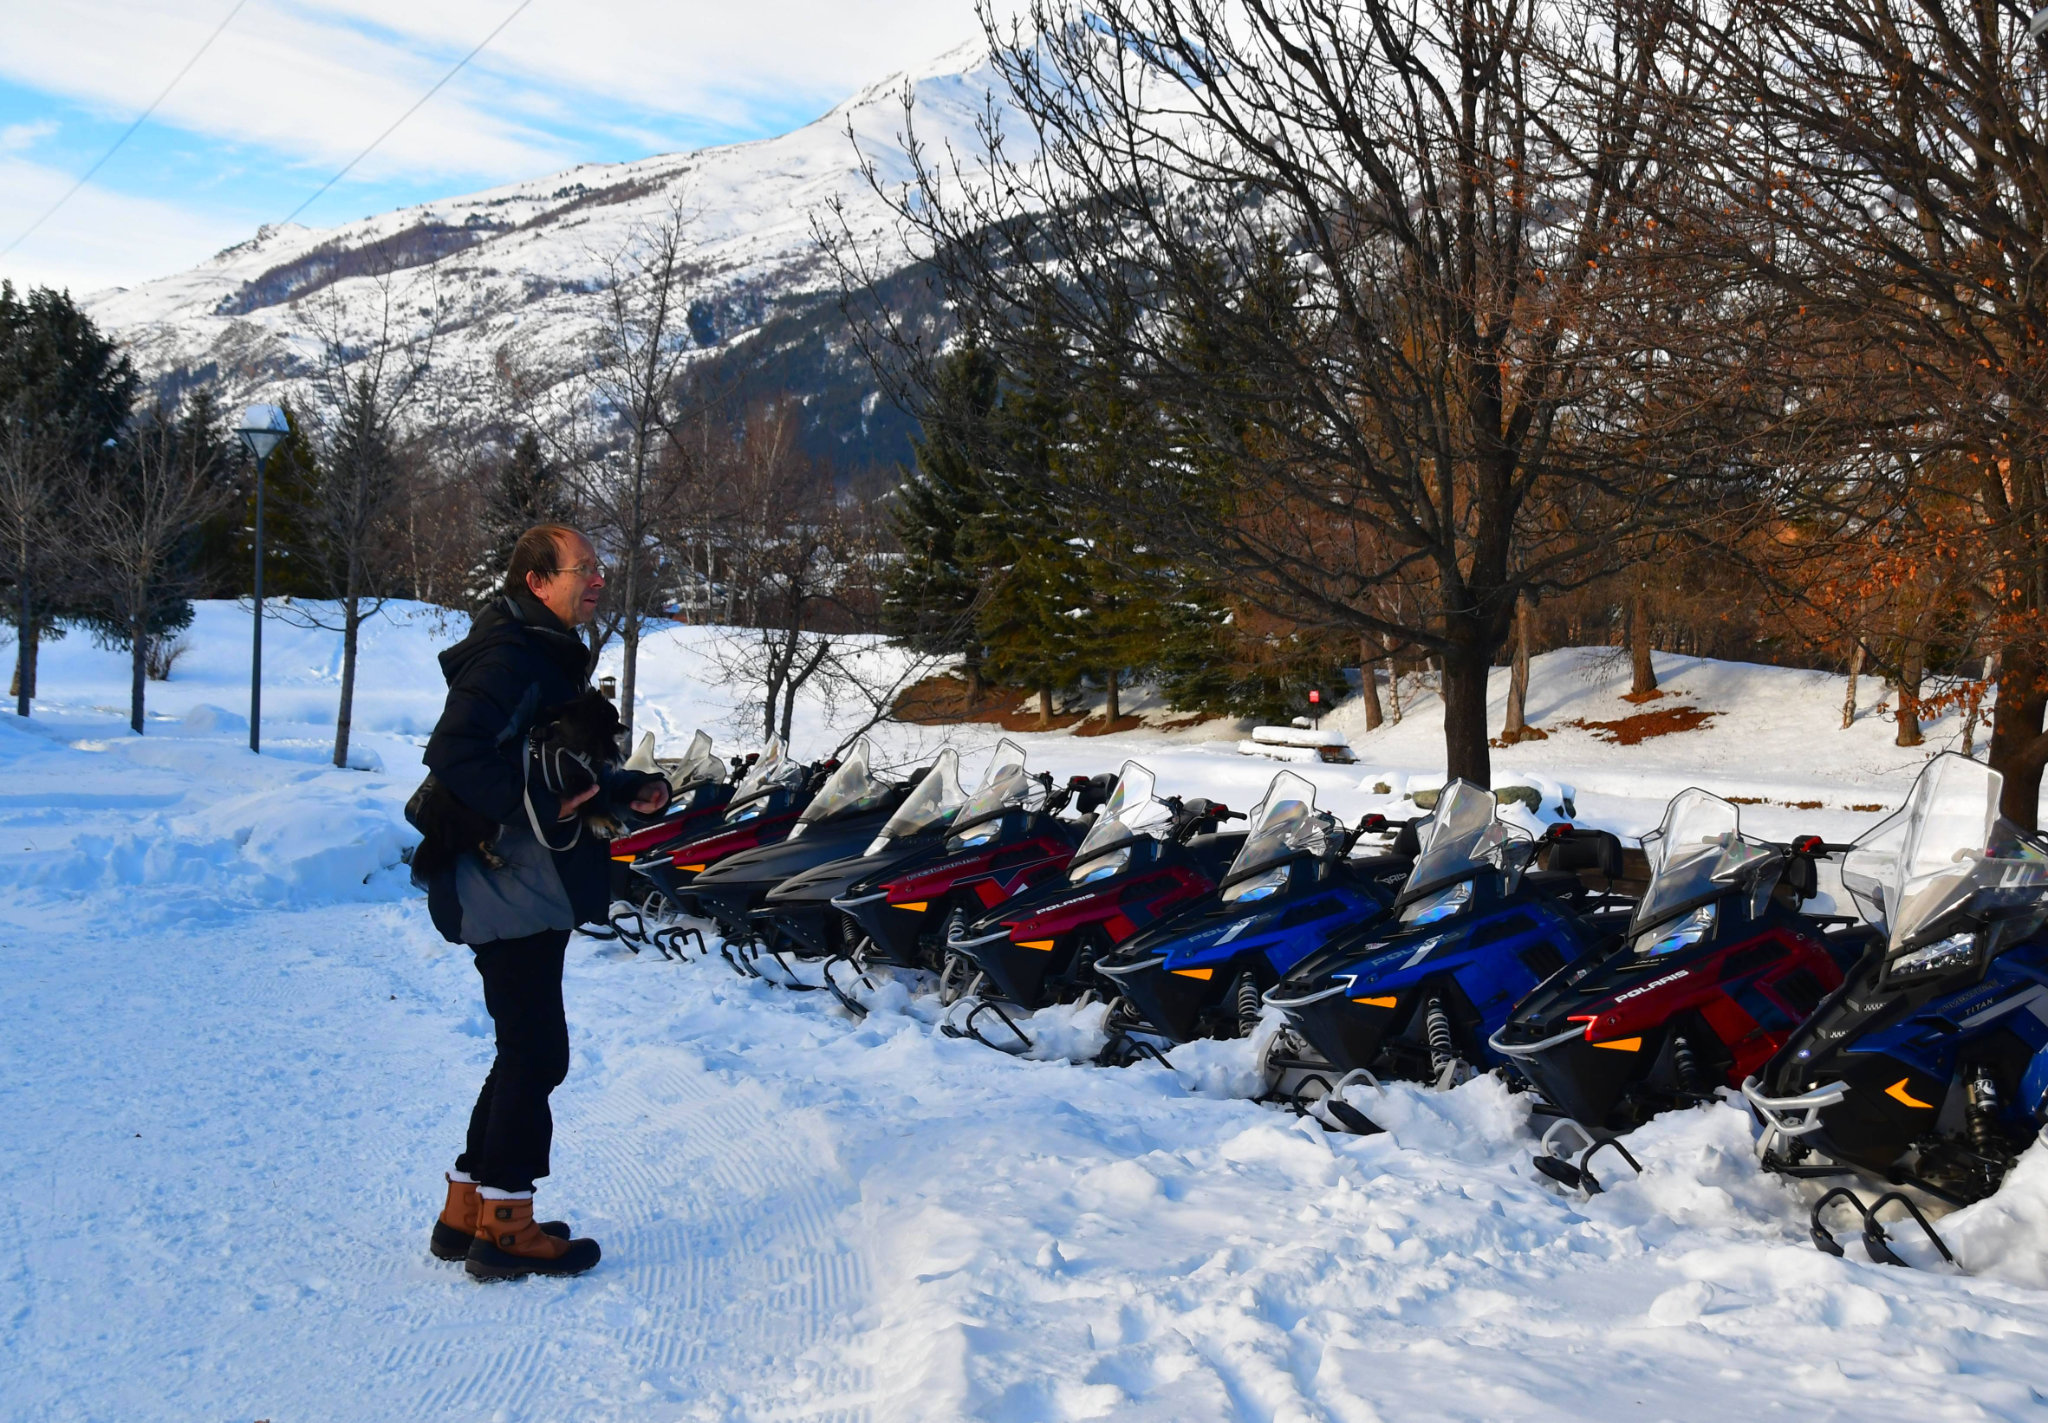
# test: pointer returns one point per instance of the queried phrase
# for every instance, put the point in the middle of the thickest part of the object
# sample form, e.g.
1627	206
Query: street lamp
2038	26
262	430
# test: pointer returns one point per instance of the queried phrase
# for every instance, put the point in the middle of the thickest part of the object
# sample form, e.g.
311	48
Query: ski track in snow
238	1058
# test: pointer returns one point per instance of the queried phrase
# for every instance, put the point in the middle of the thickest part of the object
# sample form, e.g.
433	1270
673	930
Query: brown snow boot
456	1226
508	1244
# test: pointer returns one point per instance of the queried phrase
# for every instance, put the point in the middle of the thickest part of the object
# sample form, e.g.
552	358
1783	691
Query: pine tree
942	516
527	491
65	390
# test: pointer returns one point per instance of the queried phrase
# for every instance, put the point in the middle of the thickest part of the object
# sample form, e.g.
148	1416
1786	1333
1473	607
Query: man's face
572	592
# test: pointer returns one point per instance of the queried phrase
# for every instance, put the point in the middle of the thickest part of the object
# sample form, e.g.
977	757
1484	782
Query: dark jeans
510	1128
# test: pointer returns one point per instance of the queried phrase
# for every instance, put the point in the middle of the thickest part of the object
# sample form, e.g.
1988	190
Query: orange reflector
623	859
693	869
916	906
1203	973
1036	943
1623	1044
1387	1002
1898	1093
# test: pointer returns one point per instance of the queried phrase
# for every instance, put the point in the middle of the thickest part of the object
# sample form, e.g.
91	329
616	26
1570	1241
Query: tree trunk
629	631
1644	682
1466	753
1394	689
2019	748
1112	709
1975	713
344	716
25	644
1516	726
138	670
976	687
1044	708
1369	684
1856	656
1911	667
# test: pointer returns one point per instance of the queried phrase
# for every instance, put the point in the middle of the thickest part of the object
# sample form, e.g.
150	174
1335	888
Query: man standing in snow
521	660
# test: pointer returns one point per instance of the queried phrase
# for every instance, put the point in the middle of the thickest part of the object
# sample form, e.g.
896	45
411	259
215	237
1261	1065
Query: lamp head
2038	26
263	429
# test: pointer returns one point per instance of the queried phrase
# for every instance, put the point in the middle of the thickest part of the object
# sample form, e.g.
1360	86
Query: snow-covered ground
237	1058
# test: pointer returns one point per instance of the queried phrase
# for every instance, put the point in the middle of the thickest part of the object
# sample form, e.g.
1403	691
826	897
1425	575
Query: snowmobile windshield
698	767
1695	855
1007	786
850	790
933	801
773	771
1286	823
1946	850
1132	812
1463	836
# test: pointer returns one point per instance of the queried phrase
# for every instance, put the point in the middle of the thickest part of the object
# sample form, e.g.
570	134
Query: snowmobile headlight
1942	956
979	835
1679	934
1257	887
1100	867
746	813
1442	905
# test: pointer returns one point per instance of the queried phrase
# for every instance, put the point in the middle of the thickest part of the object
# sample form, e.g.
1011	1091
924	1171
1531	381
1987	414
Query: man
521	660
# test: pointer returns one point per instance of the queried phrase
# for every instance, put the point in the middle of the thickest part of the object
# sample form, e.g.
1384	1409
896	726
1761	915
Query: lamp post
262	430
2038	26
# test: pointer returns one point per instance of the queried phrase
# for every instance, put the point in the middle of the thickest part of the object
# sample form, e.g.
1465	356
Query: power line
129	132
411	111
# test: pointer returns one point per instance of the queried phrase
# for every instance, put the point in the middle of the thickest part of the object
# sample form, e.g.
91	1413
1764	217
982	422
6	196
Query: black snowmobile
846	814
1928	1067
798	918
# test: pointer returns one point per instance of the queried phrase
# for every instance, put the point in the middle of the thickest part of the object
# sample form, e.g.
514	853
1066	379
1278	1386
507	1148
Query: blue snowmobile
1475	927
1928	1067
1290	892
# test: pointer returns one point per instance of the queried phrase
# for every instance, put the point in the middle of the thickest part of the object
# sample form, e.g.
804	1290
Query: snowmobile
1289	892
1475	927
1145	856
844	815
762	809
1928	1067
798	917
1720	964
700	785
1006	838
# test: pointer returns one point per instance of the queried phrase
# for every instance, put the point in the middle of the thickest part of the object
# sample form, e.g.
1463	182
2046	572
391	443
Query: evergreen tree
942	516
65	391
527	491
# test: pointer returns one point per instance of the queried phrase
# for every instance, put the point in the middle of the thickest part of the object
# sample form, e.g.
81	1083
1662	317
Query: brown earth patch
1527	733
1634	730
1639	698
1867	808
942	701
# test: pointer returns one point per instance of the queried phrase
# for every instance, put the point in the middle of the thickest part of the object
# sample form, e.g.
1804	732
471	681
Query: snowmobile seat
1584	852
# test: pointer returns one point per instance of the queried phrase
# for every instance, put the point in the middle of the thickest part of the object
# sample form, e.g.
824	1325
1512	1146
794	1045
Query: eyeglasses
588	572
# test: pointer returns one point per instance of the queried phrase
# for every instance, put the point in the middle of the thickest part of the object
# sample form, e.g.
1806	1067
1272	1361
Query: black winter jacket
518	662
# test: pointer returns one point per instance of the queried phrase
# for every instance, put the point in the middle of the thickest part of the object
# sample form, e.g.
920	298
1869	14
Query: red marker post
1315	702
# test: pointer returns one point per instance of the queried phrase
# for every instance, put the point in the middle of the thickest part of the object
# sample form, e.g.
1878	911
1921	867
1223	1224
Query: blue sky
293	89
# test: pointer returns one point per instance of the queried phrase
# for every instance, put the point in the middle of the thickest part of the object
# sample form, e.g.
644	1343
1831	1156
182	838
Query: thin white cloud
315	81
18	138
107	238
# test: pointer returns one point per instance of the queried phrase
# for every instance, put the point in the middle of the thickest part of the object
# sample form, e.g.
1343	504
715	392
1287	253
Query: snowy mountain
520	267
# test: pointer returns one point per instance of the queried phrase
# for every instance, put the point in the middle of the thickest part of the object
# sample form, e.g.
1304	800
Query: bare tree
360	392
1395	267
134	522
642	347
1881	164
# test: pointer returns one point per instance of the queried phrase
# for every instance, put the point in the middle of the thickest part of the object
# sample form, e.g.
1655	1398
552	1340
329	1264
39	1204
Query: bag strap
526	798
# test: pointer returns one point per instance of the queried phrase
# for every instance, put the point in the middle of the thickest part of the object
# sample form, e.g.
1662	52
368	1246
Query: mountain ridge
520	265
